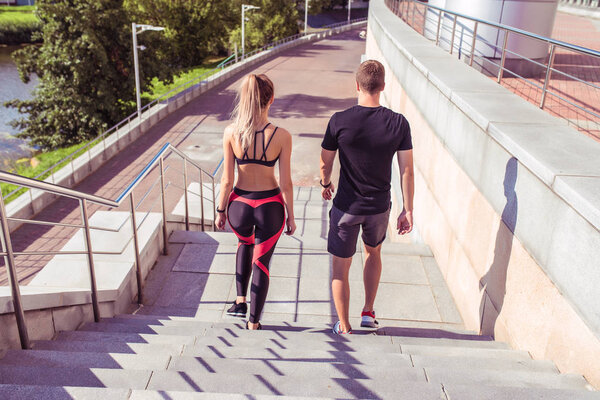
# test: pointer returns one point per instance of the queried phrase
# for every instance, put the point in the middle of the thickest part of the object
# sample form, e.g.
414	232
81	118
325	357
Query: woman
255	207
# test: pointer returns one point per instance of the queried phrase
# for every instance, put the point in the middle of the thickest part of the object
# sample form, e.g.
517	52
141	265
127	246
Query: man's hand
221	218
327	192
405	222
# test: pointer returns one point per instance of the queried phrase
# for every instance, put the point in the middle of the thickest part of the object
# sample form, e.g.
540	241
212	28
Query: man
367	137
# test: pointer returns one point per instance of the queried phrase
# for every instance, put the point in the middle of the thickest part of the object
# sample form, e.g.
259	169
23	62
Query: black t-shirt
367	139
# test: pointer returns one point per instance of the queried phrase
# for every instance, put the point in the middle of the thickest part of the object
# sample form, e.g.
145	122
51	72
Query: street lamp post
349	9
135	28
244	8
305	16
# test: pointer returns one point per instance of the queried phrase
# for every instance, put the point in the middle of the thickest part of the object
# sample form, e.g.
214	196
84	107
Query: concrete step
443	342
175	395
401	387
30	392
464	351
119	337
298	354
69	359
512	378
190	329
81	377
460	363
107	347
299	367
480	392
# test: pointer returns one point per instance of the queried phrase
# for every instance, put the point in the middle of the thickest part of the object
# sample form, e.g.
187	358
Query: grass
159	88
17	8
46	160
17	24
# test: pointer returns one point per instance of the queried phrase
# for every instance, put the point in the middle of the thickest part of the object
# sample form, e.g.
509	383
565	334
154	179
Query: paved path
312	82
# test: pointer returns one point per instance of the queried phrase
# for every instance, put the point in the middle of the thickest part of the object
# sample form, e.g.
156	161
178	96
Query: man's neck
368	100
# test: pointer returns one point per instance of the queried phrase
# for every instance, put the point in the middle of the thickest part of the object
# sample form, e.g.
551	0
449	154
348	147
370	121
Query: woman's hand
291	226
221	218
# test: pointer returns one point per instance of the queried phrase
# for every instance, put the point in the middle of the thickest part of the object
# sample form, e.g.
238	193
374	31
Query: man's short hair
371	76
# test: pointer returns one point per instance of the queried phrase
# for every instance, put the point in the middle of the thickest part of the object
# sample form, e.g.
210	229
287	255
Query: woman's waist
256	194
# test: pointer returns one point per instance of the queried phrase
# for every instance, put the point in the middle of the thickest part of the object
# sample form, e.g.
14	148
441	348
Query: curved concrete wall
507	197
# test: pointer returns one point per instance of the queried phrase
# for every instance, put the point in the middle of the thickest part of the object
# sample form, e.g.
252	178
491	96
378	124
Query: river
11	87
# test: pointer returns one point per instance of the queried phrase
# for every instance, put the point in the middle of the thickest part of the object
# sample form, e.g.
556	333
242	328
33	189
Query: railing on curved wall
566	89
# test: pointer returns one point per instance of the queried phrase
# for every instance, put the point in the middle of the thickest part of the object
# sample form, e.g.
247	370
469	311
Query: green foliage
46	160
195	29
17	8
18	26
318	6
159	88
86	80
274	20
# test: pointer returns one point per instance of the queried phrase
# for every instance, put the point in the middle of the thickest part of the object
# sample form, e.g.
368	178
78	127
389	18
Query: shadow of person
493	283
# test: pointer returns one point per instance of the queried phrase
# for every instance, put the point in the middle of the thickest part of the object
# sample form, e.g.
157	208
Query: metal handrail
83	199
402	8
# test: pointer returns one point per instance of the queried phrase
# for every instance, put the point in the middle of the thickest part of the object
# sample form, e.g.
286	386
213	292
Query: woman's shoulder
283	133
228	132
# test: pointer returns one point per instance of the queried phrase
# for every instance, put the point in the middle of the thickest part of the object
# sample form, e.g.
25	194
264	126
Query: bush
17	27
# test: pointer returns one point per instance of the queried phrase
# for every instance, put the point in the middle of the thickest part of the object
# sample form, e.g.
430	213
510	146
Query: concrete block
201	291
480	392
583	194
70	318
120	337
502	364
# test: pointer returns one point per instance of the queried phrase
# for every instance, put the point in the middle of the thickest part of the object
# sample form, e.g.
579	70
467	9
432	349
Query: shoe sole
241	315
369	325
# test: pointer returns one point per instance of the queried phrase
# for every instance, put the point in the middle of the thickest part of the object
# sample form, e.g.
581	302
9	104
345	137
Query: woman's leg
270	221
241	220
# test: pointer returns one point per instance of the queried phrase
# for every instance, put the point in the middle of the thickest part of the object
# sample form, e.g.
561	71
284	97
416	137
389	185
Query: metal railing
582	3
409	10
157	162
166	98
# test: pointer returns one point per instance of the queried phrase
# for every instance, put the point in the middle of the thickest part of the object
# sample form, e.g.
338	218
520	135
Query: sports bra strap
268	144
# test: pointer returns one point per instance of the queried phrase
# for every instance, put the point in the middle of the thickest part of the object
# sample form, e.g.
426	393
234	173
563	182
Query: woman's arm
285	180
226	179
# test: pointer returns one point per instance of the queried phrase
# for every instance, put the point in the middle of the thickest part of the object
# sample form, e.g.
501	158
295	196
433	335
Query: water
11	87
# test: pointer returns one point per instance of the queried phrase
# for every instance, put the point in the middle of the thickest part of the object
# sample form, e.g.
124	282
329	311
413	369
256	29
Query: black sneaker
238	310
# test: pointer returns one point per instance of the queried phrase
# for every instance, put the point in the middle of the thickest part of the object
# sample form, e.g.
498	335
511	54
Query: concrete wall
507	197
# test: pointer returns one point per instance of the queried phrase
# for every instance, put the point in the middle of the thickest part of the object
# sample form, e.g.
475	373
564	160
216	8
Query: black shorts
344	228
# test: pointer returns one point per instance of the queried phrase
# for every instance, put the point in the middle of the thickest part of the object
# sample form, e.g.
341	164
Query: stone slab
499	364
201	291
90	377
107	347
583	193
480	392
39	297
178	395
119	337
28	392
60	359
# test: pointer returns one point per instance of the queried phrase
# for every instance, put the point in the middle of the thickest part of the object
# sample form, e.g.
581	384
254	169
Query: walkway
311	81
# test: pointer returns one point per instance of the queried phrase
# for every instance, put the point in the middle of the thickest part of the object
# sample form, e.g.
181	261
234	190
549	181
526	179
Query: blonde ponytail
253	97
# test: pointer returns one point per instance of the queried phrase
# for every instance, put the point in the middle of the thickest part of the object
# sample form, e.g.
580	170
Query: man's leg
371	275
340	287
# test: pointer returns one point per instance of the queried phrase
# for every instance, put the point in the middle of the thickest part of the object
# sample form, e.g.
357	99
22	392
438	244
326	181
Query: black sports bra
263	159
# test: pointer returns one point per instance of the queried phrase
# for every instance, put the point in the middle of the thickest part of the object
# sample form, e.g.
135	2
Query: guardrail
84	199
166	98
416	13
582	3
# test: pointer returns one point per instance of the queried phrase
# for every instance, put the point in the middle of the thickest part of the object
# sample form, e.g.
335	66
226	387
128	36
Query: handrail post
413	12
185	196
202	201
90	258
136	249
548	75
437	35
214	224
9	260
163	207
453	33
503	60
473	43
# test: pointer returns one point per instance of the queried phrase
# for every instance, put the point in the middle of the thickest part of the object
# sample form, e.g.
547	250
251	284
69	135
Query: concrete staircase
181	345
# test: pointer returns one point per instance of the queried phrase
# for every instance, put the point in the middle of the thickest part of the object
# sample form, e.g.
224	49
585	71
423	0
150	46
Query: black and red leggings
258	219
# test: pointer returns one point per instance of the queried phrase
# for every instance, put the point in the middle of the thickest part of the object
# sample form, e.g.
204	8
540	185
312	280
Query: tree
274	20
318	6
195	28
86	80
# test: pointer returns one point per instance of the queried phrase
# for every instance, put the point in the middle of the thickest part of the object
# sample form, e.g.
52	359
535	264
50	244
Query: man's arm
327	158
407	181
